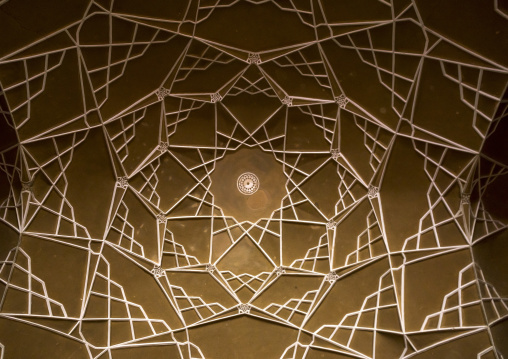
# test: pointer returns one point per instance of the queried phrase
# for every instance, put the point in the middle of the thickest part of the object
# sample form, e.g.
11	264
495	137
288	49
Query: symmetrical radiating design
248	183
253	179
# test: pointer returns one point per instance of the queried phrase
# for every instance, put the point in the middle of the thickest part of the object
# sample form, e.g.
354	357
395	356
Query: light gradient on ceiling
377	130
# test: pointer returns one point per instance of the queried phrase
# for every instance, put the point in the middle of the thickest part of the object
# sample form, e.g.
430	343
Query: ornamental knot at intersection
26	186
161	218
465	198
373	191
161	93
210	268
342	100
331	277
287	101
244	308
254	59
163	147
122	182
215	97
157	271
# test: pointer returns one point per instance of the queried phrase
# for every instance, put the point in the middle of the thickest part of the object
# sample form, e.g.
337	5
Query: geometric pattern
377	129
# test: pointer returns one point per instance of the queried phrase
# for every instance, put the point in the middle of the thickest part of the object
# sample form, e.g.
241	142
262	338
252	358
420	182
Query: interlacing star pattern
372	220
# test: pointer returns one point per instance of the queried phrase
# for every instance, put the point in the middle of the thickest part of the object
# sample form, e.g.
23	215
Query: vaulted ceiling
290	179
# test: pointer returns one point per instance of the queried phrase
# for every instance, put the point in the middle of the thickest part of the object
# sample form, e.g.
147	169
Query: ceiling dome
253	179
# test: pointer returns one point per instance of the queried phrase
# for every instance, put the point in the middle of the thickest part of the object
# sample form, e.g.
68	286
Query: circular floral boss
248	183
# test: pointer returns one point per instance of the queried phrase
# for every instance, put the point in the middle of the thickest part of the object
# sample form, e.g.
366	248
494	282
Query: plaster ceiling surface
254	179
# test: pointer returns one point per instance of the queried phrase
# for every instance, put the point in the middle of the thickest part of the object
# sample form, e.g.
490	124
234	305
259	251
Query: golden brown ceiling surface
219	179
